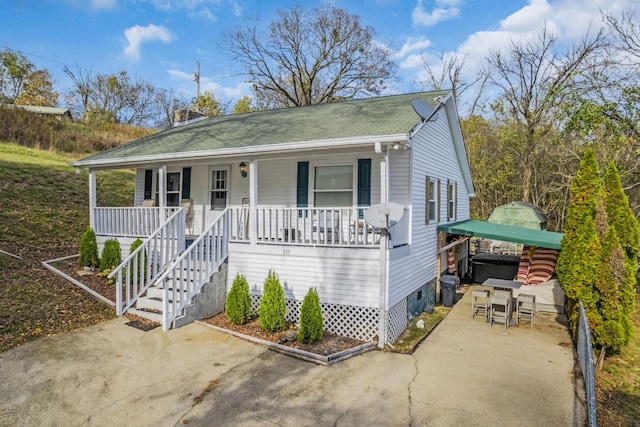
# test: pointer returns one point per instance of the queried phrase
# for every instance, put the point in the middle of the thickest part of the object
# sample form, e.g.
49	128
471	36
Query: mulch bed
330	343
99	284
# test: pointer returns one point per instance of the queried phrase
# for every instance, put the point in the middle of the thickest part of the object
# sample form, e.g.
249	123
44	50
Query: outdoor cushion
542	266
523	266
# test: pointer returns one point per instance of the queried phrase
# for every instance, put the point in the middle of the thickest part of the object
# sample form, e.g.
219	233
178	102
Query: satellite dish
424	110
383	215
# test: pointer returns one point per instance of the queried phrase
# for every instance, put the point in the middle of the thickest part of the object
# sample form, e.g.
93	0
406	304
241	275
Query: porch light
243	170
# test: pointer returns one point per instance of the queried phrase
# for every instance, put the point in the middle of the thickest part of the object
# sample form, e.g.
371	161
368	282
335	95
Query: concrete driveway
465	373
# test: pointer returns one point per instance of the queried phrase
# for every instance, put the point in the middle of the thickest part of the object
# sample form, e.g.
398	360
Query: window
452	190
219	188
173	189
431	207
333	186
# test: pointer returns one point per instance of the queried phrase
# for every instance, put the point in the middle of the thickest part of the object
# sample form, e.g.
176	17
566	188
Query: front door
218	197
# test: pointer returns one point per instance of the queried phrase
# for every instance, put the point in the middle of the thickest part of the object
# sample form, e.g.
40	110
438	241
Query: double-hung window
333	186
452	206
219	189
431	207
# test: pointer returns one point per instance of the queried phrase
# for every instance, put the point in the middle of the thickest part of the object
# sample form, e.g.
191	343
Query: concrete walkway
465	373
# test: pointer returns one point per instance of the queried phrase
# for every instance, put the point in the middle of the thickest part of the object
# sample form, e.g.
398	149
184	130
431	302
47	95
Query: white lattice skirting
397	320
360	323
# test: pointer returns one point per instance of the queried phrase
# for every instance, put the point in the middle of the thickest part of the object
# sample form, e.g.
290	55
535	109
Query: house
59	113
288	190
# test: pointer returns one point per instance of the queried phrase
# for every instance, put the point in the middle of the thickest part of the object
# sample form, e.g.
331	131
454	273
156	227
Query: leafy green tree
238	304
208	105
580	246
243	106
111	256
88	249
272	309
22	83
311	323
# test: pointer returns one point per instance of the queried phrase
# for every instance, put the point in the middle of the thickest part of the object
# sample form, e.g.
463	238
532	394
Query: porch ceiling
507	233
355	121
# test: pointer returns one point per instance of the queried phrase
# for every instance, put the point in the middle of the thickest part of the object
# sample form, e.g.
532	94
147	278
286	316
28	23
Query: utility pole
196	78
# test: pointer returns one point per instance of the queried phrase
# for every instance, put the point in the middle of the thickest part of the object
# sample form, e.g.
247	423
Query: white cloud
237	9
412	45
412	61
528	18
137	35
445	9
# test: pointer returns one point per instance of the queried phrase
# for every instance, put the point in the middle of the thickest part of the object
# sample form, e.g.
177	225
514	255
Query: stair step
157	293
149	303
155	317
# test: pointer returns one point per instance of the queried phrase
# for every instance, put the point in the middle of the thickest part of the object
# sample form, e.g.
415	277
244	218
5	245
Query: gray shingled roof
387	115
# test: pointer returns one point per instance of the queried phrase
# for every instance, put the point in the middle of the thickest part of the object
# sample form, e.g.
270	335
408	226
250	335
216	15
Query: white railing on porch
183	279
130	221
341	227
141	268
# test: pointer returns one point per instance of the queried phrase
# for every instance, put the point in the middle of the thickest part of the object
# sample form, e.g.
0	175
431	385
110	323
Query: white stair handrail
186	276
159	250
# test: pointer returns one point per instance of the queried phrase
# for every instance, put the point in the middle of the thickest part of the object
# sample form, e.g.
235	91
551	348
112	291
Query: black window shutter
427	196
364	184
302	193
148	183
186	183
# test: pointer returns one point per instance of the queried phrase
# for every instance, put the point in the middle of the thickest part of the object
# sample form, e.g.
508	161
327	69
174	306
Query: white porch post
253	200
384	251
162	186
93	204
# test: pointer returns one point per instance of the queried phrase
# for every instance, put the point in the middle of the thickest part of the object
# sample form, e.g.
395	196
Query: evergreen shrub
238	304
111	256
141	258
272	309
311	323
88	249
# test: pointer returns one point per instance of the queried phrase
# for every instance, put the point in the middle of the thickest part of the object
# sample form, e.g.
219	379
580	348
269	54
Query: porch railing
342	227
130	221
141	268
193	268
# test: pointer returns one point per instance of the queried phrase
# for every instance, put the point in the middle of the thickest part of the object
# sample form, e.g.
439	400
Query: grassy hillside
44	208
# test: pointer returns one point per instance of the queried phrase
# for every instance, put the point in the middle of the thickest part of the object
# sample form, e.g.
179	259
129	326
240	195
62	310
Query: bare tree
535	78
81	92
626	29
449	76
310	57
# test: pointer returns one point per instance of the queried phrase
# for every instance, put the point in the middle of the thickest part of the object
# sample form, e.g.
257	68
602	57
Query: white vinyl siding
341	276
433	155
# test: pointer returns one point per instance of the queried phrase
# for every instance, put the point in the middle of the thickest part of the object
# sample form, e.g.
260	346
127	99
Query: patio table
502	283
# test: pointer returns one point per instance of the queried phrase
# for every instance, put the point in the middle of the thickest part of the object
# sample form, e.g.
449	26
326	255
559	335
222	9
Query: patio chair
480	302
526	308
187	204
501	307
327	225
148	203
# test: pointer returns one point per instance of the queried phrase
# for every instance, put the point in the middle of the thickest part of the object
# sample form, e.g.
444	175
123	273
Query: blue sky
161	41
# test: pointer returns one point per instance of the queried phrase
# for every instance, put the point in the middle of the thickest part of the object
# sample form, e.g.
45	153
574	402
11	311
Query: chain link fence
585	356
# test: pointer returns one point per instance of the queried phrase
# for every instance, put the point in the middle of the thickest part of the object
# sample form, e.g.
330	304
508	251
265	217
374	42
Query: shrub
310	318
141	258
238	304
272	308
88	249
111	256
